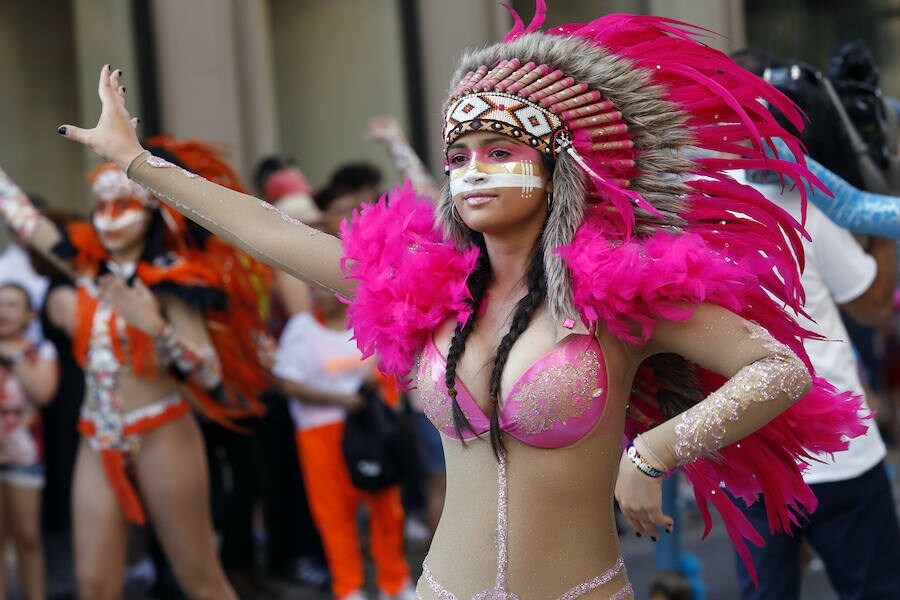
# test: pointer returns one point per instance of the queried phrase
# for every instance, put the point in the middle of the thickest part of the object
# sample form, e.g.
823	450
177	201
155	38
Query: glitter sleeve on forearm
198	362
856	210
17	209
408	164
752	397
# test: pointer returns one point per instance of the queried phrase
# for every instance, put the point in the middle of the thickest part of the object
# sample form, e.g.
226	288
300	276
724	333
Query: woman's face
339	210
121	224
15	312
497	184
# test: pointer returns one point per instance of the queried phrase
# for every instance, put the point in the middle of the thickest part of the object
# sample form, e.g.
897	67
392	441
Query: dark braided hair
477	284
537	287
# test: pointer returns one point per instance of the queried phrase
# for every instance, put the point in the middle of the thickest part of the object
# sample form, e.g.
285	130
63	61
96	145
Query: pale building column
446	29
214	79
725	17
256	82
337	64
103	33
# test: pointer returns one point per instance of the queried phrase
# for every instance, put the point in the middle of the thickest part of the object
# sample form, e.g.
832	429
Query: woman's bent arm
766	378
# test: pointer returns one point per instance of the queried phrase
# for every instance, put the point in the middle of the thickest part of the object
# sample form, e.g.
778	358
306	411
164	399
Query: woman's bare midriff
561	529
137	392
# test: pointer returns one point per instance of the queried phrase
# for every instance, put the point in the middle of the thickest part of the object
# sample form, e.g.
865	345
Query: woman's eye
499	153
457	159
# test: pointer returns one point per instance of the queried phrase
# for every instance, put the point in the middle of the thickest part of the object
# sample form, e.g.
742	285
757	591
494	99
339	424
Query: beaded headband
534	104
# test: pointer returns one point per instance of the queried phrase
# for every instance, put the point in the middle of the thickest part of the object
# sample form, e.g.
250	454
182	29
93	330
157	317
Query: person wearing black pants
235	461
293	547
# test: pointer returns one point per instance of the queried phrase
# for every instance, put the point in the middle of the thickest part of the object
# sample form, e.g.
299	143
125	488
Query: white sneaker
415	530
407	593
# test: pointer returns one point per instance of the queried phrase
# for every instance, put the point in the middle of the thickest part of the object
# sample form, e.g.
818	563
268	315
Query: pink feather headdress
642	120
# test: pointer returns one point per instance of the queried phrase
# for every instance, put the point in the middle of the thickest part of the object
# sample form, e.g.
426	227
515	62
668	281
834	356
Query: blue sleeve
849	207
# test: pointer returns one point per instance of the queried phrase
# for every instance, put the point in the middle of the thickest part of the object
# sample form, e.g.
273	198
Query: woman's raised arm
29	224
252	225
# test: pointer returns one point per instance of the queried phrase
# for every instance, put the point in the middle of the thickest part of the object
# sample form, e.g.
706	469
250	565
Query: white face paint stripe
128	217
487	181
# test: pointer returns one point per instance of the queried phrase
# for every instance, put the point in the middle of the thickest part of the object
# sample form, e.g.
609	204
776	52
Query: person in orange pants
334	502
319	363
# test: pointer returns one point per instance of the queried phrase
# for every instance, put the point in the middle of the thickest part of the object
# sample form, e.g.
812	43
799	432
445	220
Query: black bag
378	446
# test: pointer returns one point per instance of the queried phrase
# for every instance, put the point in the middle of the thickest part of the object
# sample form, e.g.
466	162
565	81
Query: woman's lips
478	199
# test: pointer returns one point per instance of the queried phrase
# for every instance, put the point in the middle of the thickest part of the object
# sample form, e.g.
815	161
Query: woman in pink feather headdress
588	275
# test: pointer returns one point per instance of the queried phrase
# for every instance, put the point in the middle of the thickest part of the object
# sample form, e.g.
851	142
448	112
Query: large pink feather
409	280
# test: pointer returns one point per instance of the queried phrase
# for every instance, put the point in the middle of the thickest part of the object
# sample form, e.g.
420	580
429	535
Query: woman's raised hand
385	128
114	137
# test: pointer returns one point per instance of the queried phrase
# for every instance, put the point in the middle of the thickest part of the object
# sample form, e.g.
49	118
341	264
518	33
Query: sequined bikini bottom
120	440
498	594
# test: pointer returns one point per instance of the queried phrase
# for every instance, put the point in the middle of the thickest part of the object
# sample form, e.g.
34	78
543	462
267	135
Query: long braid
477	284
537	291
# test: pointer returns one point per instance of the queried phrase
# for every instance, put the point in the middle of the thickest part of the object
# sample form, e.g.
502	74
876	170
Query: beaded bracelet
642	465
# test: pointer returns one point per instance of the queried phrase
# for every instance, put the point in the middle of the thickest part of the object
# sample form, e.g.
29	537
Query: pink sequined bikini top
556	402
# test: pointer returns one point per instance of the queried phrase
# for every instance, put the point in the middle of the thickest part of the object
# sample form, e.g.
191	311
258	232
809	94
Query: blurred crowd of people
281	497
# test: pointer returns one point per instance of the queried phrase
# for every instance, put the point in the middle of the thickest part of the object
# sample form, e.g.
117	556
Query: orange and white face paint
120	206
115	215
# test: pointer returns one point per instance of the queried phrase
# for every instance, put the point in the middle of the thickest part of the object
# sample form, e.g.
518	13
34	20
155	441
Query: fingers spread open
77	134
103	84
111	93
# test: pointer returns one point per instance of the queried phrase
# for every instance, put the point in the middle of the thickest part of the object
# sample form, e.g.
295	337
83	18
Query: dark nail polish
61	131
106	66
137	119
637	534
653	538
123	89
